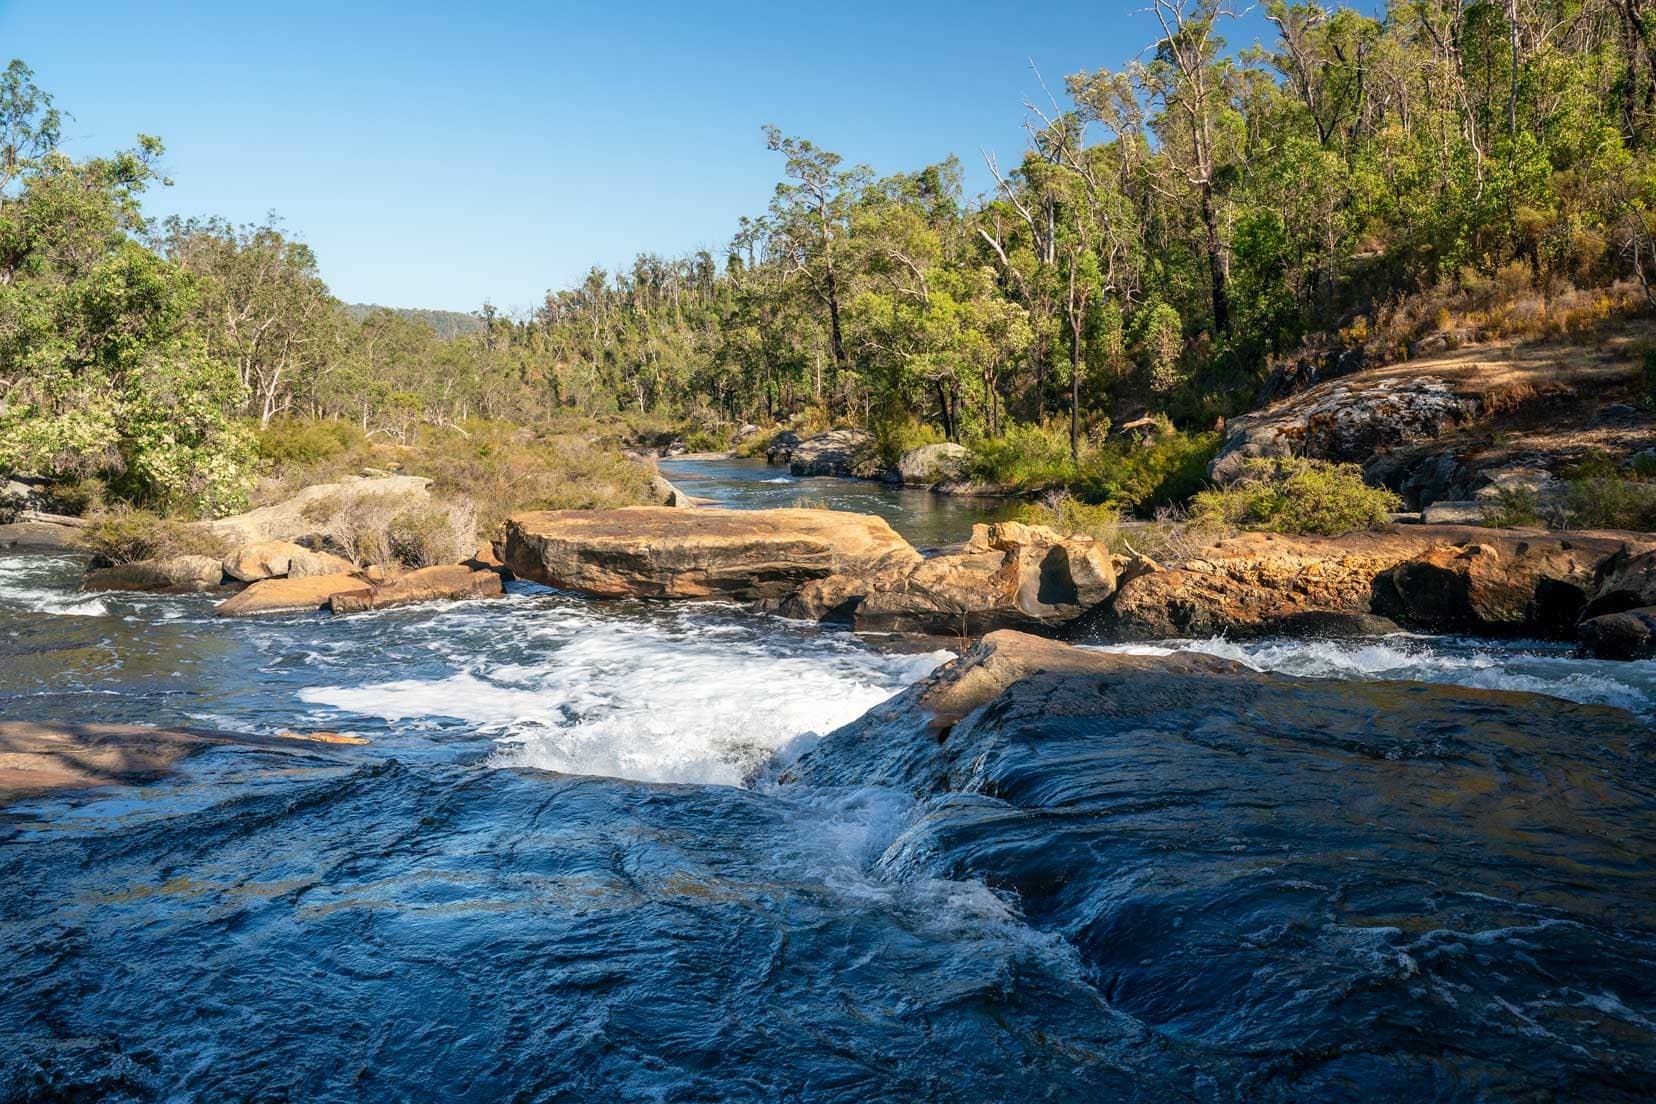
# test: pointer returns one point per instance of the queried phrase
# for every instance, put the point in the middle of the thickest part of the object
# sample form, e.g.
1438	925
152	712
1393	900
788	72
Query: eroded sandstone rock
173	575
660	552
446	582
273	559
306	594
1447	578
1009	575
1344	420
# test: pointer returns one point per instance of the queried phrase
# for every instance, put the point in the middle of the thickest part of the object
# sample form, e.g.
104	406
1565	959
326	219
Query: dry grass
126	535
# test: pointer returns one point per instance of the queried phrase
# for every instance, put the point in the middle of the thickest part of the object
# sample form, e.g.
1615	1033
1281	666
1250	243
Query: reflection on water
926	519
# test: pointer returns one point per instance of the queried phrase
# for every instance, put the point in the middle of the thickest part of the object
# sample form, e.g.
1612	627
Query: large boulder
272	559
931	464
295	519
446	582
663	493
301	595
780	449
1497	585
1009	575
172	575
660	552
1345	420
830	453
1630	634
1624	583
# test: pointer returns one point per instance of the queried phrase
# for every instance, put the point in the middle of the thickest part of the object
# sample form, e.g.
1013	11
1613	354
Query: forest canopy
1178	232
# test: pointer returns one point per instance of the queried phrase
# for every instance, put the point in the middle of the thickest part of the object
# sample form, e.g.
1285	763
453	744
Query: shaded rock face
1344	421
931	464
1625	583
659	552
830	453
301	595
1500	585
1401	865
1630	634
287	521
174	575
446	582
781	447
1009	575
1444	578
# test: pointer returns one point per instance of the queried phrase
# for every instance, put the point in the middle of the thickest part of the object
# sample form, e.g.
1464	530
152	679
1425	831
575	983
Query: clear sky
435	155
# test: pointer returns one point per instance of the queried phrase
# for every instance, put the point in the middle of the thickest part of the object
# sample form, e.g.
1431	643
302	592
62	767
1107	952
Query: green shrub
755	445
895	435
707	440
1296	496
127	535
1027	456
1514	506
1069	516
307	440
1142	478
1606	502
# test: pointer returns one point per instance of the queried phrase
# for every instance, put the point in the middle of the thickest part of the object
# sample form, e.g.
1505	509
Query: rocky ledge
1009	575
1498	582
661	552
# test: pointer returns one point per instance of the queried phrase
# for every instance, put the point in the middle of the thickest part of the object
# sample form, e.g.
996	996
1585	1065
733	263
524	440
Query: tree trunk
1216	262
943	408
1075	389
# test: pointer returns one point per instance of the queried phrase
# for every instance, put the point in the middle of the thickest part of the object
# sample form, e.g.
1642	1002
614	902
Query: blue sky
436	155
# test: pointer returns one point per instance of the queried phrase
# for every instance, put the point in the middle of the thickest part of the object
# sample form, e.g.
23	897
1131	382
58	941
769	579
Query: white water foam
30	583
680	701
1481	665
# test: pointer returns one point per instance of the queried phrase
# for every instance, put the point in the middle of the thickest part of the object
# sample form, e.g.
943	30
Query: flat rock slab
43	757
448	582
300	595
662	552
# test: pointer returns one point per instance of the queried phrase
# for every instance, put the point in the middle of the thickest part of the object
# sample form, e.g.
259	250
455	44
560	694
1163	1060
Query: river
564	868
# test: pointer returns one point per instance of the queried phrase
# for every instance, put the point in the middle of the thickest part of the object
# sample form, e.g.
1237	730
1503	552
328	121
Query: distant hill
446	323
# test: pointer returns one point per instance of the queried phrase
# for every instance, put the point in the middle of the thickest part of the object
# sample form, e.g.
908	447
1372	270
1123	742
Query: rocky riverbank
851	569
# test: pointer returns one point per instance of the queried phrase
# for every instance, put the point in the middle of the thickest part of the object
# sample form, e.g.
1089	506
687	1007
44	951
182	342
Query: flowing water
596	851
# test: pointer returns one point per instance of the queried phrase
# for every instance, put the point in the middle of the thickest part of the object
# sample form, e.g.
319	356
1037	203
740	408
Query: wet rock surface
1221	847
